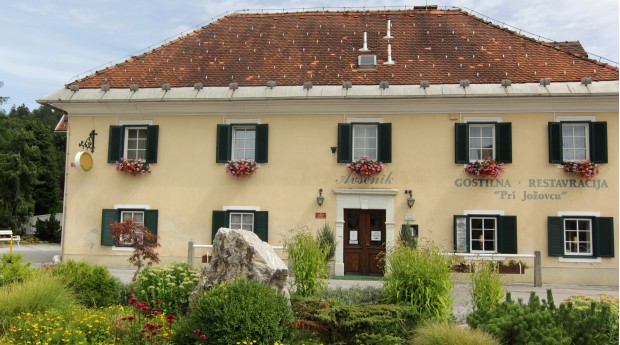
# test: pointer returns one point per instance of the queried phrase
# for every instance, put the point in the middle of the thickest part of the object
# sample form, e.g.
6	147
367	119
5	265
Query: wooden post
537	269
190	254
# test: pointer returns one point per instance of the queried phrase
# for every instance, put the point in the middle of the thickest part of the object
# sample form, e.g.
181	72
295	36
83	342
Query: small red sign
320	215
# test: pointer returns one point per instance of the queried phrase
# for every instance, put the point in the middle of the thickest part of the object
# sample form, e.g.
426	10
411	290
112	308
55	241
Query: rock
240	253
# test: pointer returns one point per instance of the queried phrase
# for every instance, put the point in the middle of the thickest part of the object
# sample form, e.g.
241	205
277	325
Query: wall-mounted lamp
320	198
410	199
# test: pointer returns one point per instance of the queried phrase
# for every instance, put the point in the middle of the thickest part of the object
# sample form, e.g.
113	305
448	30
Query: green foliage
39	293
48	230
307	263
336	322
327	241
590	321
355	295
450	334
487	289
243	309
520	323
419	278
92	285
14	269
168	285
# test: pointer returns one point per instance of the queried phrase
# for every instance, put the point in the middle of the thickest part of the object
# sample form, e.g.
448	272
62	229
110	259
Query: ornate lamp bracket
89	143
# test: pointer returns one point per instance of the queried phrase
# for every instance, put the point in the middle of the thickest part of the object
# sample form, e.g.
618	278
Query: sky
47	44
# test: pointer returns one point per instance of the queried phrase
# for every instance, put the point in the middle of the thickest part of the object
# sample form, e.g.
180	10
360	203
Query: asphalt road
38	254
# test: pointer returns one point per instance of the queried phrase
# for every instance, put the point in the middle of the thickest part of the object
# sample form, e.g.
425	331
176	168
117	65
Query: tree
136	235
2	99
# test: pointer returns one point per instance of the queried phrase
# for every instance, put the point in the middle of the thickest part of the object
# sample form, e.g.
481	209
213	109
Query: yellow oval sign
83	161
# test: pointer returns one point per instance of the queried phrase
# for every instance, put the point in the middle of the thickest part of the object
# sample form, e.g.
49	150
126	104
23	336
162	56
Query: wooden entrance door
364	241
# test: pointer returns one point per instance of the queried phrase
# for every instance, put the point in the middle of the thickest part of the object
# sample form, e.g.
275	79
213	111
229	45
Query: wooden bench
7	235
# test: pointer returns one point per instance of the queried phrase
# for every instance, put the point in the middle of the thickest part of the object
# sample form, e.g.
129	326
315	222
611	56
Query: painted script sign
356	180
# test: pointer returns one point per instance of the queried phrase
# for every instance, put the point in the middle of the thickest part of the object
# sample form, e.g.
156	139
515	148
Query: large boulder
240	253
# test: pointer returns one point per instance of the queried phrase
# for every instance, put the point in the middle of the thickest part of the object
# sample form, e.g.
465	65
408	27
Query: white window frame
128	207
591	242
356	156
126	141
586	126
493	141
471	238
233	147
241	225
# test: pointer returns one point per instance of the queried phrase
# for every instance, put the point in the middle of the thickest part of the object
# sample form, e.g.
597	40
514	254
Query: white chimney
389	29
365	47
389	59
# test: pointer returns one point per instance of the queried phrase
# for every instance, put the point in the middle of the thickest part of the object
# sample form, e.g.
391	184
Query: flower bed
242	167
134	167
364	167
485	168
585	169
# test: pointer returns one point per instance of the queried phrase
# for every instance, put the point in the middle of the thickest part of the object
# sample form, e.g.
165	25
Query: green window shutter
555	142
503	142
385	143
115	144
507	235
344	143
598	142
152	139
604	237
262	143
261	225
223	144
150	221
108	216
461	143
555	236
461	234
220	220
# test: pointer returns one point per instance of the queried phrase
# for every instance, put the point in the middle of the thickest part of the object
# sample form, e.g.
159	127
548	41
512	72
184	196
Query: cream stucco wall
186	183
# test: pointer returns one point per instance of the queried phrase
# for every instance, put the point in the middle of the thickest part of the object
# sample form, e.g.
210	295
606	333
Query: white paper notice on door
375	235
353	237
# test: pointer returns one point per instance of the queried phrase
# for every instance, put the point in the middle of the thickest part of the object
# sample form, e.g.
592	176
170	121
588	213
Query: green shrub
521	324
354	295
450	334
48	230
486	286
420	278
92	285
168	285
230	312
36	294
335	322
327	241
307	263
14	268
590	321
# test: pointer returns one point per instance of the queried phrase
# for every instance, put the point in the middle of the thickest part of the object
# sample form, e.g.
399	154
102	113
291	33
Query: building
424	91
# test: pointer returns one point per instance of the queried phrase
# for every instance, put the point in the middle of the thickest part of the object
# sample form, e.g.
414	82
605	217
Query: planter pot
511	270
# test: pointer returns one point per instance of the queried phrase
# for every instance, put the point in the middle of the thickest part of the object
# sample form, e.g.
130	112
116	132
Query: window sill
122	249
583	260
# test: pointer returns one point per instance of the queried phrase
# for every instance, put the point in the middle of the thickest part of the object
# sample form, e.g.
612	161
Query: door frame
365	199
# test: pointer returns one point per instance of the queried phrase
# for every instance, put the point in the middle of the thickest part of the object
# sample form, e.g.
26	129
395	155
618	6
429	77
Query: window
477	141
255	221
133	142
364	139
242	141
138	217
485	234
577	236
577	141
580	236
144	216
243	221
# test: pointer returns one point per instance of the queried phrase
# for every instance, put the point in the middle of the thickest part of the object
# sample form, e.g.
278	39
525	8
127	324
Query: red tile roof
441	46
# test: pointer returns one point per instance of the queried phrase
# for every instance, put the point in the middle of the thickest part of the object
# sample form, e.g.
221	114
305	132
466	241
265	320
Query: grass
450	334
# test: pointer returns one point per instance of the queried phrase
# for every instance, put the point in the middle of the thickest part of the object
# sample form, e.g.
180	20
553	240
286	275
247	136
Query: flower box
585	169
485	168
241	167
511	270
365	167
134	167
